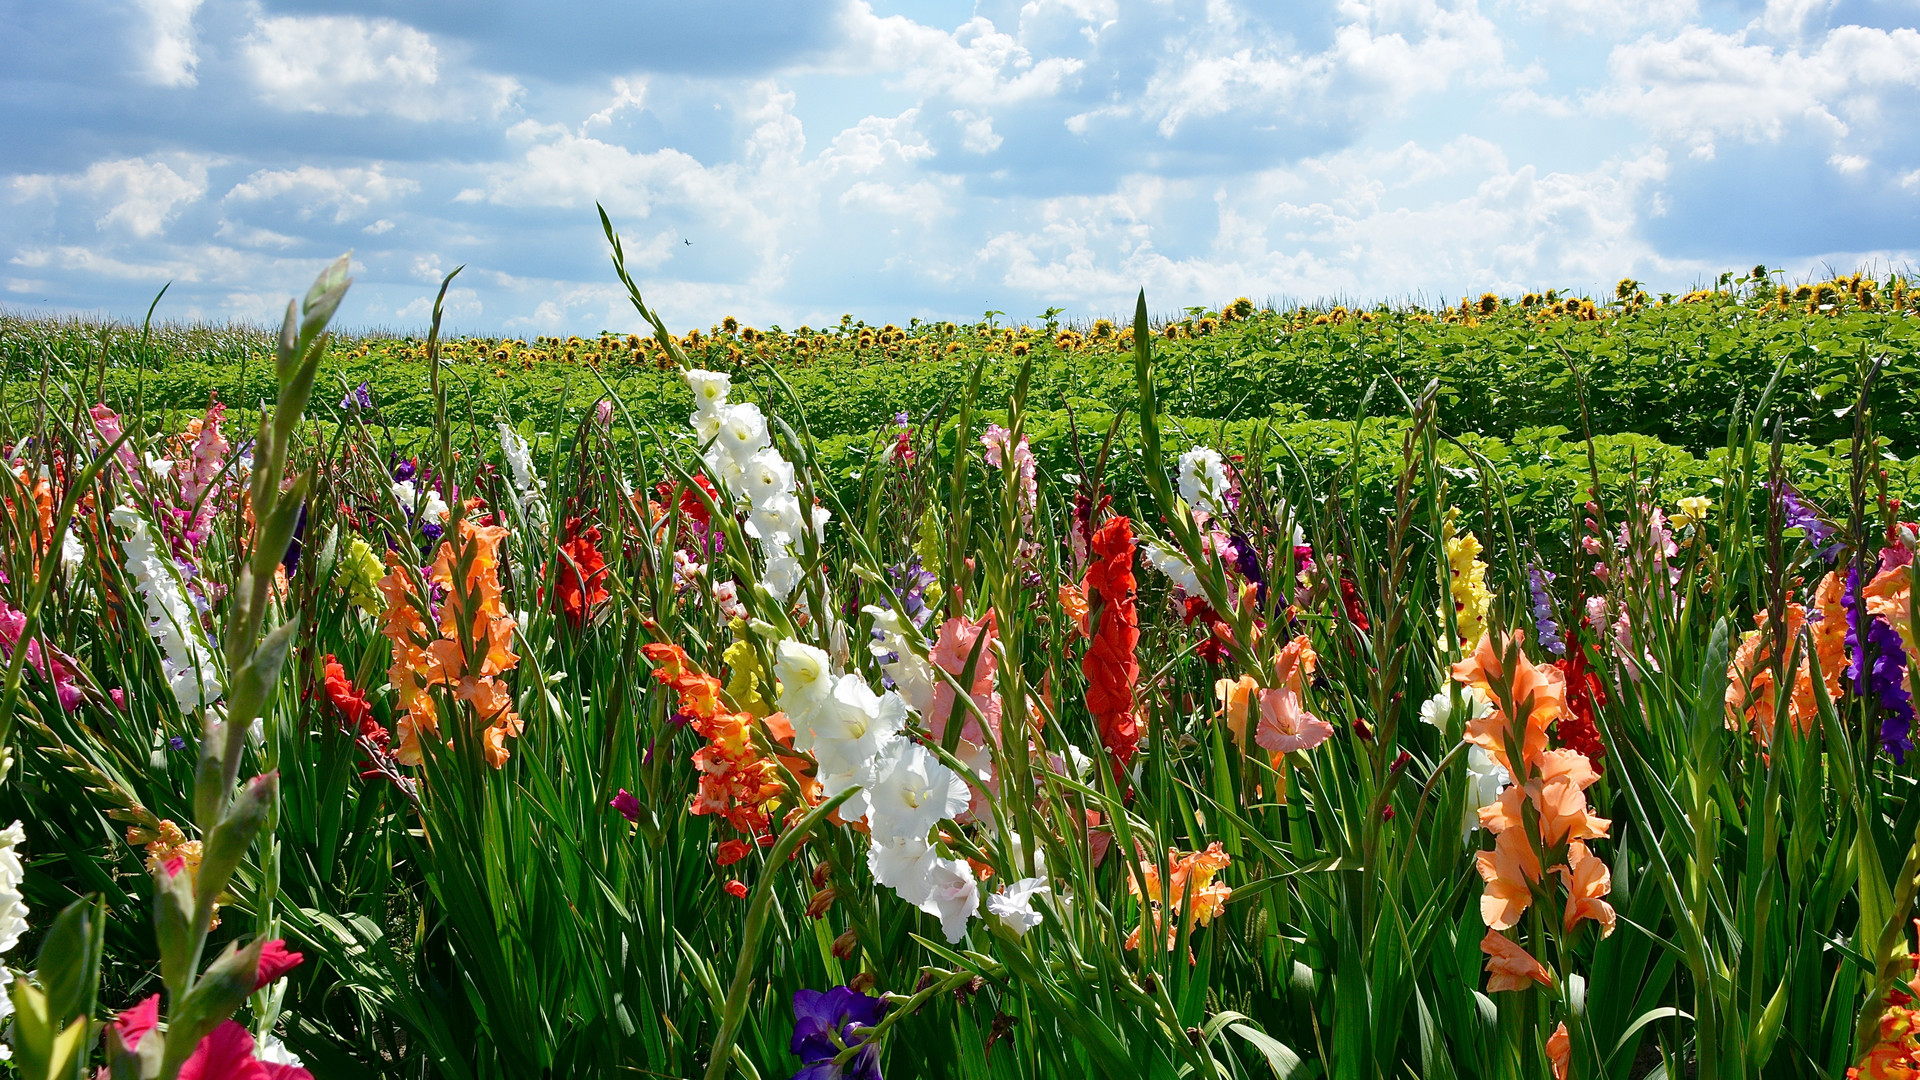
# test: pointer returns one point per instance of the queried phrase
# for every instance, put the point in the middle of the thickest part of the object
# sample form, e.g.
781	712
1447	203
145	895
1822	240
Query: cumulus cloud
348	192
1700	85
827	157
975	64
171	57
356	66
133	194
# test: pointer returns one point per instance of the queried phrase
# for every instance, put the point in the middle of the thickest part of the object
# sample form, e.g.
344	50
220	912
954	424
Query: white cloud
976	64
976	132
1333	226
461	303
1700	85
171	57
346	191
133	194
1383	55
354	66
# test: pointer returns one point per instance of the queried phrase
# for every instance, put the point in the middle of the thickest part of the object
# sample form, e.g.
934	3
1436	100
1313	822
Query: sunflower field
1516	689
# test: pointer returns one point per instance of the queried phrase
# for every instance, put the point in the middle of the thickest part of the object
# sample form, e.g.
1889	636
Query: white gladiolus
706	426
1203	480
766	475
186	660
743	431
272	1051
1013	905
912	676
740	455
1174	567
13	906
777	517
953	894
528	489
1486	779
709	391
782	576
914	792
1438	709
13	913
905	866
805	678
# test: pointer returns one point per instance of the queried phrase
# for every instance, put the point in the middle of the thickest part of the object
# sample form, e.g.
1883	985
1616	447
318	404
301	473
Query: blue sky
937	158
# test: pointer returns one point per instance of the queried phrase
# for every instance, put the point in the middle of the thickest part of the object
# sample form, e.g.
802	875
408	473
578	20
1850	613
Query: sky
787	161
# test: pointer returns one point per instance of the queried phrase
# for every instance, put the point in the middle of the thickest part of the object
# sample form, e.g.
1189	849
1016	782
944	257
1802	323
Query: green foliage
477	916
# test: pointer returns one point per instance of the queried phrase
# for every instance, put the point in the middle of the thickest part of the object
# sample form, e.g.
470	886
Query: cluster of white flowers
911	675
741	454
1169	562
185	658
906	791
529	491
1203	480
1486	778
13	912
433	509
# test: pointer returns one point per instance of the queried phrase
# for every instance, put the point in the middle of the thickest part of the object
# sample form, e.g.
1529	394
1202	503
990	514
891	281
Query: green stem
736	1006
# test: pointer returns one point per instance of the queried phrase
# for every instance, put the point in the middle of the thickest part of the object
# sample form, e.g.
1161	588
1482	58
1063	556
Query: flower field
1518	689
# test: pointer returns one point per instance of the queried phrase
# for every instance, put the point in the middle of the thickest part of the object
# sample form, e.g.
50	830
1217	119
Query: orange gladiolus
1559	1051
1541	691
737	780
1509	871
427	655
1190	888
1236	698
1587	880
1510	967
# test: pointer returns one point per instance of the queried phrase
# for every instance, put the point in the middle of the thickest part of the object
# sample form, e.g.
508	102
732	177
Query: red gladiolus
737	889
356	714
1576	726
580	579
275	960
1356	611
730	852
226	1053
1110	665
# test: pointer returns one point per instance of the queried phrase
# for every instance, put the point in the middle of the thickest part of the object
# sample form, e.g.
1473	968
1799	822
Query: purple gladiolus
1883	682
1798	515
360	397
826	1022
1247	561
1545	629
627	805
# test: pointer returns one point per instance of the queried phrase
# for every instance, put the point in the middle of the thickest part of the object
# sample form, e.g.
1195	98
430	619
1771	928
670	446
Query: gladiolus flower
1587	880
1510	967
1285	723
1509	871
226	1053
581	574
626	805
730	852
275	960
1539	691
737	889
1559	1051
1109	664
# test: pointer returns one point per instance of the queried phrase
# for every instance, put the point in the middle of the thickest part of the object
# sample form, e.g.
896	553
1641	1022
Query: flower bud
821	902
846	945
